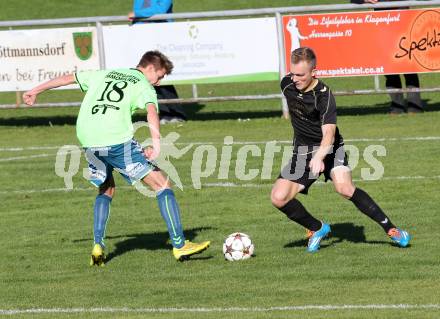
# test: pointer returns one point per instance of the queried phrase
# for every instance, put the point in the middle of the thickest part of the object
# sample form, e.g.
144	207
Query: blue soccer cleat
316	238
399	236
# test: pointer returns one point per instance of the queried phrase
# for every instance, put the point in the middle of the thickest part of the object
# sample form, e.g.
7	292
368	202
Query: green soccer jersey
112	97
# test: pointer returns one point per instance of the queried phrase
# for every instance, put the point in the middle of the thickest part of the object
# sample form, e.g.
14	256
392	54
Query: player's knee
108	191
157	181
162	183
345	190
279	198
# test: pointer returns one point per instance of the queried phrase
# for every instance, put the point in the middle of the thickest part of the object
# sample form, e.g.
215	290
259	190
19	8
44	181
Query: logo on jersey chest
303	108
102	108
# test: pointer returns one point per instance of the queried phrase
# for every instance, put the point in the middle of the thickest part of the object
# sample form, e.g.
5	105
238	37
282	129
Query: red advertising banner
365	43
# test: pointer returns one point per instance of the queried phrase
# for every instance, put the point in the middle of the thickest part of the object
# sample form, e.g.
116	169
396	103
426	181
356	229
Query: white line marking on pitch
224	184
216	309
8	159
385	139
29	148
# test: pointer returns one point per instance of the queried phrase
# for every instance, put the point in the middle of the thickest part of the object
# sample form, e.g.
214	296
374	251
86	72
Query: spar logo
423	43
83	44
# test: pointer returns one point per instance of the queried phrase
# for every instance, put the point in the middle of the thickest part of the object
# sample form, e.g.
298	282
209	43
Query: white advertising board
30	57
201	51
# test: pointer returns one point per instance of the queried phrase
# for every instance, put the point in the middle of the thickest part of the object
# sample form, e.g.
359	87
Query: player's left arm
327	108
328	138
29	97
153	124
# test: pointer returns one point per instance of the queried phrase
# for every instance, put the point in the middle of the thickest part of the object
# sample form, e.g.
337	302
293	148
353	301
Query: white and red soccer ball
238	246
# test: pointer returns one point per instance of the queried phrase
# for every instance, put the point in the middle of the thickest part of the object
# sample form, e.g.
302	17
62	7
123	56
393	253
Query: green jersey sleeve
147	95
84	78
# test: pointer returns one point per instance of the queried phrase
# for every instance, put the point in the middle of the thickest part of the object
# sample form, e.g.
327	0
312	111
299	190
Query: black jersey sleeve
327	107
285	82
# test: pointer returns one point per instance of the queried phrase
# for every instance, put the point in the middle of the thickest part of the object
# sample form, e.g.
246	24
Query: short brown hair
303	54
158	60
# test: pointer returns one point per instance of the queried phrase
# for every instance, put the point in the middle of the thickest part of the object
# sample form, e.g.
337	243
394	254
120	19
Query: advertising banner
365	43
30	57
202	51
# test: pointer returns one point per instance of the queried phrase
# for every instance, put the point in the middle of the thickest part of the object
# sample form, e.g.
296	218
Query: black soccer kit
308	112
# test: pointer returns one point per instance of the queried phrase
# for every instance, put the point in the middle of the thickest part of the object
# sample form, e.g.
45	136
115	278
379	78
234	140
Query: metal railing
99	21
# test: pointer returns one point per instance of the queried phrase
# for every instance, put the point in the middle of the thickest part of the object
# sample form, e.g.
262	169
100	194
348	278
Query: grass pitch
46	230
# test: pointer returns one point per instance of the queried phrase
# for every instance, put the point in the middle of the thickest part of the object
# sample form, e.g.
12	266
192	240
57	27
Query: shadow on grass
218	116
194	114
382	108
147	241
340	233
38	120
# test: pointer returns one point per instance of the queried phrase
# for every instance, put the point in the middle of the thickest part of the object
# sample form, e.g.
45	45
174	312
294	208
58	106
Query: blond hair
304	54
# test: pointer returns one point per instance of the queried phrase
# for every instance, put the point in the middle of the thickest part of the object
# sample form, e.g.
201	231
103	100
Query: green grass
40	9
46	233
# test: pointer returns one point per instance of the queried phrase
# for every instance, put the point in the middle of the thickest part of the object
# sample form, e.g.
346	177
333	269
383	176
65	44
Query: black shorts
298	170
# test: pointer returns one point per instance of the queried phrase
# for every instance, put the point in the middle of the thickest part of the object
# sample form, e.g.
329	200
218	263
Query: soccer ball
238	246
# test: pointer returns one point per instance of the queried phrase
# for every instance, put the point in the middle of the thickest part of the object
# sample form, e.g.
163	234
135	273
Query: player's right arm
29	97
